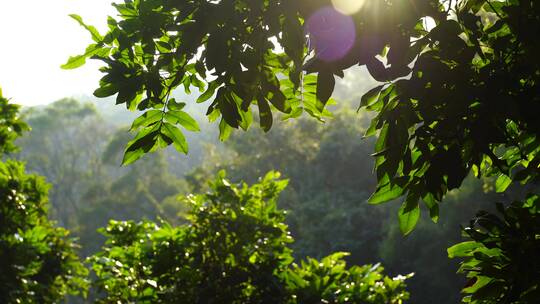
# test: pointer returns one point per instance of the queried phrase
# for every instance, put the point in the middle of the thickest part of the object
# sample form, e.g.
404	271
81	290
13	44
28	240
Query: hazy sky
36	37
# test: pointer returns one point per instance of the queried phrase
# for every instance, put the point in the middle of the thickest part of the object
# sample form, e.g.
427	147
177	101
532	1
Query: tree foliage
501	257
465	107
330	180
11	126
38	261
234	250
459	90
467	77
147	190
55	150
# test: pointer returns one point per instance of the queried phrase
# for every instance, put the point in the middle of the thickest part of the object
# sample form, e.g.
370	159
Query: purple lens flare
332	34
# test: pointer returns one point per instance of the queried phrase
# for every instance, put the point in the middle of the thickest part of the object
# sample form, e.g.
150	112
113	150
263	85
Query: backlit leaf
408	214
178	139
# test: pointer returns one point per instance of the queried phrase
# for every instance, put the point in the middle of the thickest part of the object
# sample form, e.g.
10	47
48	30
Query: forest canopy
453	107
457	95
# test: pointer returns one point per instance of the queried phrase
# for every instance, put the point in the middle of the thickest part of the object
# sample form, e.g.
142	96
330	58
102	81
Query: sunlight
332	34
348	7
44	38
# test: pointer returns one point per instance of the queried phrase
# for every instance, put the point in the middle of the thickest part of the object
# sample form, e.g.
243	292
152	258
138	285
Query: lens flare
348	7
332	34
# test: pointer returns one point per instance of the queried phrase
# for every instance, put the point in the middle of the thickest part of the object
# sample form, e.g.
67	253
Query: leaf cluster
237	53
465	108
233	251
38	261
458	94
501	258
11	126
456	97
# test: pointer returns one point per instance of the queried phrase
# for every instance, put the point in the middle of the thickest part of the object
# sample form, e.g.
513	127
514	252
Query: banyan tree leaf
224	130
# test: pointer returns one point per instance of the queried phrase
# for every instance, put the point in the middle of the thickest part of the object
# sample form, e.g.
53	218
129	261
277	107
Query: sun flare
348	7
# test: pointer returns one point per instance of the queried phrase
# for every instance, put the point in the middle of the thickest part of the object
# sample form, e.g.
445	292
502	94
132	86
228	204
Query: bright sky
36	37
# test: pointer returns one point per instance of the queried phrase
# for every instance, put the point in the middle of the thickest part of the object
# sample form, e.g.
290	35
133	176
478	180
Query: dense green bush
234	250
38	262
11	126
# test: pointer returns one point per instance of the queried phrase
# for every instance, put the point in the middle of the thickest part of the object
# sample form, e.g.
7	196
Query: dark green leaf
143	142
265	114
279	101
325	88
178	139
106	91
228	108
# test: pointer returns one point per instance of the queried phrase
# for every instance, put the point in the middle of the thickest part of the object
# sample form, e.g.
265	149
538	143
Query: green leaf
228	108
433	207
385	193
247	119
462	249
377	69
446	29
146	119
325	87
106	91
380	144
503	181
178	139
209	92
143	142
79	60
182	118
74	62
173	105
481	281
265	114
408	214
224	130
370	97
279	101
93	31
